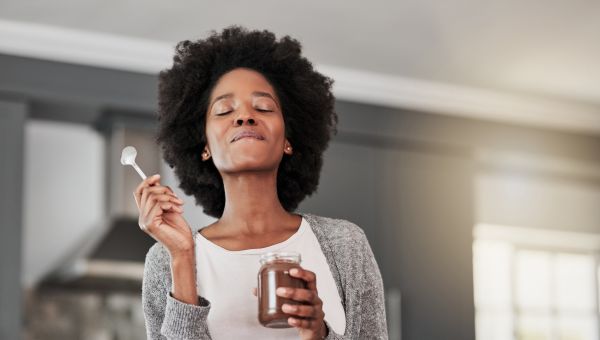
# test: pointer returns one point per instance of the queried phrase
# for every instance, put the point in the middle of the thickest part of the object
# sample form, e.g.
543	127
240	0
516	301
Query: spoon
128	158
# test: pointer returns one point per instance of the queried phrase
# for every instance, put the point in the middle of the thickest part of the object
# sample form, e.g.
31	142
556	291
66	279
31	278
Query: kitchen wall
417	183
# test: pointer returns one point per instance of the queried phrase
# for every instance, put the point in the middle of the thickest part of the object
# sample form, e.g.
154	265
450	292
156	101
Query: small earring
288	148
205	155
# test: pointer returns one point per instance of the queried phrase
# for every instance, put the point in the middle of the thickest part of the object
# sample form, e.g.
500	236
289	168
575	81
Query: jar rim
285	256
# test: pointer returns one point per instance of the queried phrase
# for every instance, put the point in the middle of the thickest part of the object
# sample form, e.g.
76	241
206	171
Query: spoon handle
139	171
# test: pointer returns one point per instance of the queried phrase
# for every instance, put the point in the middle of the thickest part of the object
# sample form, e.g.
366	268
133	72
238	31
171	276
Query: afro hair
183	94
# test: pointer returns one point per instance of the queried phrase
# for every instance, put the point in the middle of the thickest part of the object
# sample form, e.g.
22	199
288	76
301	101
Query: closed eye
226	112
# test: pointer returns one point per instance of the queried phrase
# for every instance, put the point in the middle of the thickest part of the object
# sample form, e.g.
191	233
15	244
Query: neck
251	203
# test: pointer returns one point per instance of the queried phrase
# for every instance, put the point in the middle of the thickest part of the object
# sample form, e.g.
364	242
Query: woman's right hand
161	216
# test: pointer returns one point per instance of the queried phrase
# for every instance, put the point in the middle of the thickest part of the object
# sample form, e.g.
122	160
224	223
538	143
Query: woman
244	120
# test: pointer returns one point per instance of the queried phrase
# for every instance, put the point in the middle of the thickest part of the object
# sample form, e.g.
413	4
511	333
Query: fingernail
288	308
282	291
294	271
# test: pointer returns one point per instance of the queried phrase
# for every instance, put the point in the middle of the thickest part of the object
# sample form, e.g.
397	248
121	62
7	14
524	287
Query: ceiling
548	49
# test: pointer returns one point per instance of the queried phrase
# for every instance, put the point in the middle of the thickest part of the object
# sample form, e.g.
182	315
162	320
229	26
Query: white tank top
226	278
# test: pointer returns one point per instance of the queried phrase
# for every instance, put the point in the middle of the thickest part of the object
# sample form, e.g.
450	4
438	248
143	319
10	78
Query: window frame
544	240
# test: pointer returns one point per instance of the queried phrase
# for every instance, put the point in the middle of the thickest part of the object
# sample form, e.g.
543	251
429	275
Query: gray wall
12	122
415	201
407	178
416	209
411	180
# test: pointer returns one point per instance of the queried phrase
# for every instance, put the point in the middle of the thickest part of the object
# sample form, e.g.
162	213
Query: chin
249	163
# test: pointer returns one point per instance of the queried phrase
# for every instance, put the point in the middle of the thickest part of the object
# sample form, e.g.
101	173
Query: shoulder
335	230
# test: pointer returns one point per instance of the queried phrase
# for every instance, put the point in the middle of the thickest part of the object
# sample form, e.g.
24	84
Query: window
535	284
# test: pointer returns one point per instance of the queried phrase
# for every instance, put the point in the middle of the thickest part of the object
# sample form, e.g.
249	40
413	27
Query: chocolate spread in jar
274	273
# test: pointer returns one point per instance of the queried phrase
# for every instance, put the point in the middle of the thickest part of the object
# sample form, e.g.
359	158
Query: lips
247	134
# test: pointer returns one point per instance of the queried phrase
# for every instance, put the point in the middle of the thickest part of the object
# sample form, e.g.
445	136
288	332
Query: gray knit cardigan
350	259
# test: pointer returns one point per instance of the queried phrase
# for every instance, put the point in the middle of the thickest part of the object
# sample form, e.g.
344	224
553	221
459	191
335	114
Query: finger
149	222
171	207
144	184
255	291
160	190
171	190
168	189
299	294
142	194
176	207
150	181
154	198
309	277
306	311
166	208
301	323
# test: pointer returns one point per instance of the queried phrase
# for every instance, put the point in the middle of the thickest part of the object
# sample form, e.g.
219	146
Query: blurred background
468	150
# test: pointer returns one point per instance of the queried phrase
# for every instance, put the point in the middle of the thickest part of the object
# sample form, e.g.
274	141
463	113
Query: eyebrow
254	94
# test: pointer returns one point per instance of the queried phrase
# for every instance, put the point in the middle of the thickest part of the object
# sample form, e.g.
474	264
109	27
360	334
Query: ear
287	148
205	154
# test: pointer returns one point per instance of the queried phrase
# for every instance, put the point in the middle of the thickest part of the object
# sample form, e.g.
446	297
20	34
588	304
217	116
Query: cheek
278	128
214	133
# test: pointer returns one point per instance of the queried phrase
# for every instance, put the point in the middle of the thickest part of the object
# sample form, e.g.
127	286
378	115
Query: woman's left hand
308	317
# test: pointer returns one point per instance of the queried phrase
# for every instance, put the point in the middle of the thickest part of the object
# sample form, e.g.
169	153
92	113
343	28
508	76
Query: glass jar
274	273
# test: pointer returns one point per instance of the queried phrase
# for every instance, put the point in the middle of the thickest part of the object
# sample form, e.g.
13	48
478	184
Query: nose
249	121
244	117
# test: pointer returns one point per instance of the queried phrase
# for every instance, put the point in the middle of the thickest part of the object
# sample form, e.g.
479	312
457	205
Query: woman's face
244	124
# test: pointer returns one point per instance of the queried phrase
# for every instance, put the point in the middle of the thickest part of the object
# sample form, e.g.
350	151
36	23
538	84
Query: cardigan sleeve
166	317
371	314
373	323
